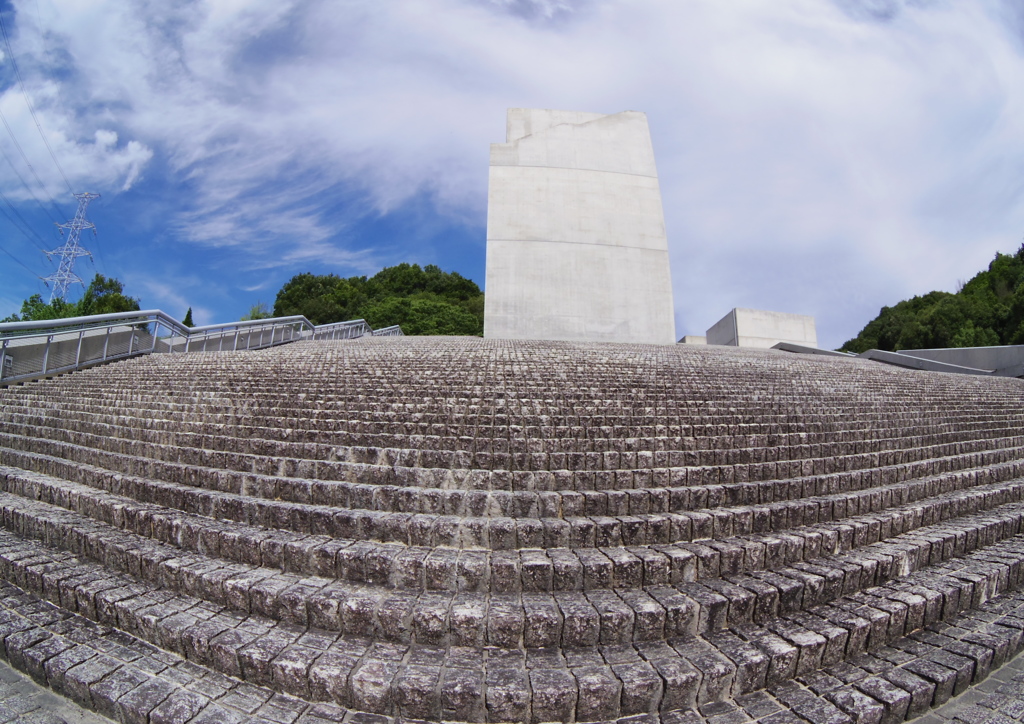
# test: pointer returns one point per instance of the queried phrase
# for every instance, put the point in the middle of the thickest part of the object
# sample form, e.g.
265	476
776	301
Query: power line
17	145
99	251
27	162
18	261
25	228
28	102
28	188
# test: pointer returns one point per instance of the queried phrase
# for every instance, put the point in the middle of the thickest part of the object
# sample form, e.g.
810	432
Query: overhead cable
28	188
28	102
18	261
23	226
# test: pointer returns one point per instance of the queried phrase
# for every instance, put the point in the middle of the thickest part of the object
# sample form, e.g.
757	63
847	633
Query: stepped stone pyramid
453	529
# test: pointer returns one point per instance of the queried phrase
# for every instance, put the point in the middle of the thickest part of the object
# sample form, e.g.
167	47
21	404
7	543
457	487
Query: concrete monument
576	246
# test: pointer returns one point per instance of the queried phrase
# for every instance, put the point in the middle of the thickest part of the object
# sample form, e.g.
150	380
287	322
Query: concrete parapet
987	358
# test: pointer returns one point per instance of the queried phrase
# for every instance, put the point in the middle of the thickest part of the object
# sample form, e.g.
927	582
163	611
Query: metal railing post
156	334
78	354
234	348
131	342
46	352
3	358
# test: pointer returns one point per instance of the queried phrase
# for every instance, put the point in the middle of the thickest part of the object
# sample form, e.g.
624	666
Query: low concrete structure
997	358
760	328
693	339
576	245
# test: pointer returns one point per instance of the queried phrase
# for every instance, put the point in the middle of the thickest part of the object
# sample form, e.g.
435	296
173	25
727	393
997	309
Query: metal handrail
342	330
29	350
394	330
93	320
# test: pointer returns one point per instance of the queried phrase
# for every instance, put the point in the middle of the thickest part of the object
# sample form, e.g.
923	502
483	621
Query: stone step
457	529
311	426
128	680
893	683
324	464
727	483
731	551
608	681
662	451
559	530
635	611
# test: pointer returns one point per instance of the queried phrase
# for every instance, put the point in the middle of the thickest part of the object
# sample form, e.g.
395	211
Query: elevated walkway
1005	361
32	350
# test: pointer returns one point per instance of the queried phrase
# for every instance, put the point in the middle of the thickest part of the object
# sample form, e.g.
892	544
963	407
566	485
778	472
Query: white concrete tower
576	246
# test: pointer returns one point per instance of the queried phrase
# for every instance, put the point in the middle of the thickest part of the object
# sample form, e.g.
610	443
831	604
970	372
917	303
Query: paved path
999	699
23	700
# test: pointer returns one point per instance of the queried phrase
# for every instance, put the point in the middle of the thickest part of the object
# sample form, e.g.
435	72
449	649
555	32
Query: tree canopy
422	300
258	310
987	310
102	296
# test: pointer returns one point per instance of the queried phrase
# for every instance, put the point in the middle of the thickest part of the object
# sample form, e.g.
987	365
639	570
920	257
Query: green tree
257	311
187	321
418	315
102	296
987	310
423	300
321	299
105	296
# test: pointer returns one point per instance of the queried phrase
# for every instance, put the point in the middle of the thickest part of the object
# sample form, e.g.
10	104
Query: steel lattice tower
71	250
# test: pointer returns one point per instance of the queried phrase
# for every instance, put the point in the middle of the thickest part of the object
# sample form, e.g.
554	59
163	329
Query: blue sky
823	157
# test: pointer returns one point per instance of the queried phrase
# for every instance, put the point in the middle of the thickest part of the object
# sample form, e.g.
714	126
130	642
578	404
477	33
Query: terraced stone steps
470	530
616	680
559	514
327	463
839	439
127	680
552	569
654	611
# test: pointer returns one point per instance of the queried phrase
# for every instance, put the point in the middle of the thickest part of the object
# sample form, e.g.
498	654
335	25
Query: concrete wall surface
986	358
693	339
723	331
576	245
759	328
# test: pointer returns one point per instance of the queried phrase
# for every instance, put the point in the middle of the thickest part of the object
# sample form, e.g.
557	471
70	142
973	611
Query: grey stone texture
470	530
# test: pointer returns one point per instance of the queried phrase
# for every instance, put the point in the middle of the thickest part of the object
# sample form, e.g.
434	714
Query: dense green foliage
187	321
987	310
257	311
102	296
422	301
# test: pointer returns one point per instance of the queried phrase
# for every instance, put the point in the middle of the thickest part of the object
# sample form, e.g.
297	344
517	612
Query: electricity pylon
71	250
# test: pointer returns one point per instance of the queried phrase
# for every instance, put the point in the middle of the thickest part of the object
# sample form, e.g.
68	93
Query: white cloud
817	156
166	294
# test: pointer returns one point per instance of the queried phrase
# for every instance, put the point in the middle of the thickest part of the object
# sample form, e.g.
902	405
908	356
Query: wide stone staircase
451	529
